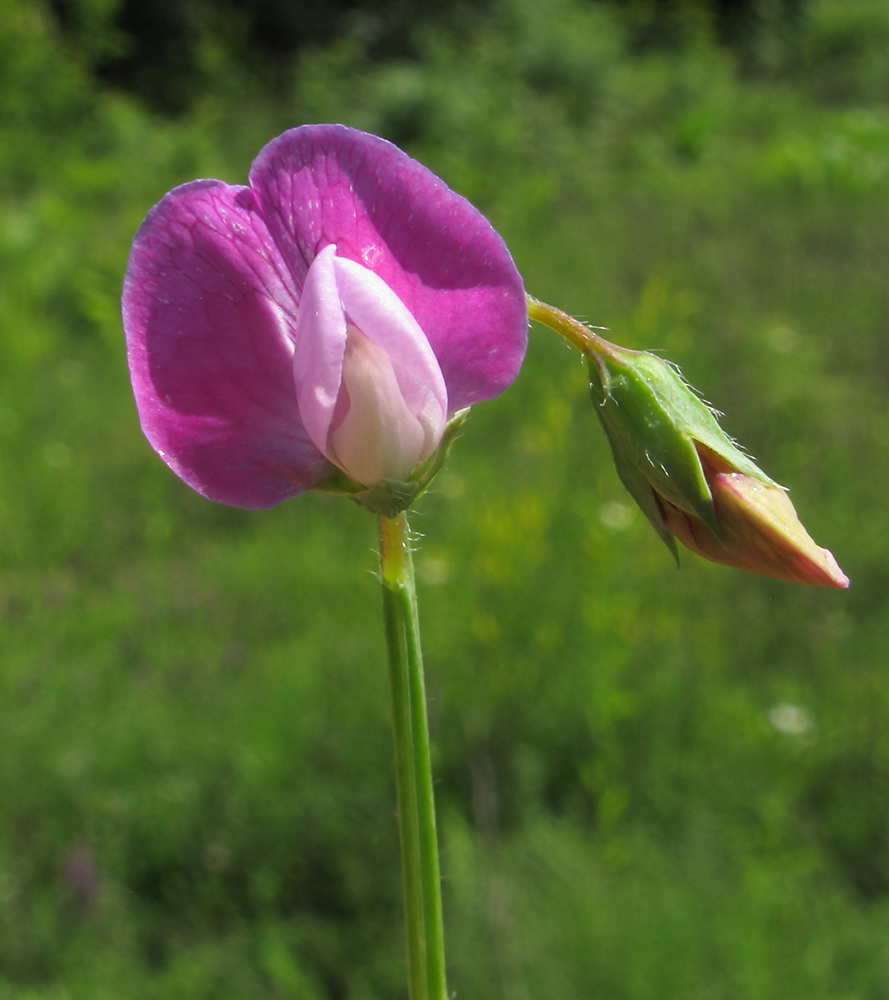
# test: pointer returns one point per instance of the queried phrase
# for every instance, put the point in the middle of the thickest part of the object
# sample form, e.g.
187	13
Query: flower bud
690	479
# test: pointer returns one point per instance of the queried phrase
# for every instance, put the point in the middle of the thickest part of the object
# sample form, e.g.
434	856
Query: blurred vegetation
160	50
651	784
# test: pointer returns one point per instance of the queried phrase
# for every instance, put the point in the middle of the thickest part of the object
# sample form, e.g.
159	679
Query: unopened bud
691	480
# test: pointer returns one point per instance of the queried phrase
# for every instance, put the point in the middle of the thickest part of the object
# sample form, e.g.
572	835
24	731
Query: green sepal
640	490
389	498
654	421
432	466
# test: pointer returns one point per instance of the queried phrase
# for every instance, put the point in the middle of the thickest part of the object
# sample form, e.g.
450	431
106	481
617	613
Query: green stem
413	767
586	340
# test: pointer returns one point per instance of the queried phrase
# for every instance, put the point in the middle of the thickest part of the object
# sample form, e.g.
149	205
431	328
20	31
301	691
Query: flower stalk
413	767
689	478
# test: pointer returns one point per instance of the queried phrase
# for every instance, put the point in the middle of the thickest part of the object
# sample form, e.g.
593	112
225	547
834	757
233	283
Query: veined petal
209	307
327	184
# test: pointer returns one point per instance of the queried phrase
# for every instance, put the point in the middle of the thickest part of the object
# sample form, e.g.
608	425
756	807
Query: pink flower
335	313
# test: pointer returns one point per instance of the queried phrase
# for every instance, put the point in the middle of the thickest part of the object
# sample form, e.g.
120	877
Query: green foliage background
651	783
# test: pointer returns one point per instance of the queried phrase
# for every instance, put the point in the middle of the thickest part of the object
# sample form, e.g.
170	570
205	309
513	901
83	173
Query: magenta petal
209	308
328	184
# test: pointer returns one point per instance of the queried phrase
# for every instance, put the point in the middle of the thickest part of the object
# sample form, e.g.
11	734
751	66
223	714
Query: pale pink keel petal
373	399
320	345
379	437
209	307
327	184
383	318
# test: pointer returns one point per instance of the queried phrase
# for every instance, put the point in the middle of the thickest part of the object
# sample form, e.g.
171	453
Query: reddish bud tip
759	530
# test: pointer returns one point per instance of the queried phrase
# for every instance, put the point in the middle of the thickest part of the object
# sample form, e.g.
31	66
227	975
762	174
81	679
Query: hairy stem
584	338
